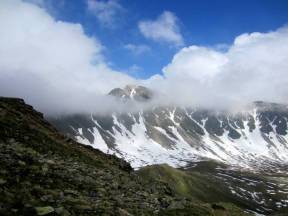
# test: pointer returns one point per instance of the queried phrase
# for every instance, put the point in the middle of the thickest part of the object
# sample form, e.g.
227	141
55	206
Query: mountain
254	137
237	156
137	93
43	172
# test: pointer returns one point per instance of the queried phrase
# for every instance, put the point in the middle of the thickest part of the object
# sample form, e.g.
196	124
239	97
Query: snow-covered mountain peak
248	137
134	92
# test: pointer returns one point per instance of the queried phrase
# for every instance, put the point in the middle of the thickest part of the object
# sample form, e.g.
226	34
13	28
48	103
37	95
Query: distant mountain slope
209	181
256	136
45	173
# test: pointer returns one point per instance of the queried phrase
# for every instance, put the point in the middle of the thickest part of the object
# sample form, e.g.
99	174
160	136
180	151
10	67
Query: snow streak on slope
177	136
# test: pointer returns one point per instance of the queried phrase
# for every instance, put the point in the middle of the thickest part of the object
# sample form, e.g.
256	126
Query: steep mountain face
254	137
43	172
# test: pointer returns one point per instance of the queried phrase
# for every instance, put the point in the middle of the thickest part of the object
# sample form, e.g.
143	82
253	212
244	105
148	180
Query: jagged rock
44	210
2	181
62	211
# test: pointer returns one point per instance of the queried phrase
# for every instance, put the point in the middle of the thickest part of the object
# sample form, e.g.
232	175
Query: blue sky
205	22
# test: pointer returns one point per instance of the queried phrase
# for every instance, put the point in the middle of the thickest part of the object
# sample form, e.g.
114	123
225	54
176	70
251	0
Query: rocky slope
255	137
45	173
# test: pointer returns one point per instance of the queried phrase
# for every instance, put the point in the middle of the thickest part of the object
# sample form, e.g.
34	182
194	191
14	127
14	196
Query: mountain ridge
177	135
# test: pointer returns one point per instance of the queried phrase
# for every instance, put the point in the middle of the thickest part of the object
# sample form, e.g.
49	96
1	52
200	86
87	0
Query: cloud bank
52	64
255	67
56	67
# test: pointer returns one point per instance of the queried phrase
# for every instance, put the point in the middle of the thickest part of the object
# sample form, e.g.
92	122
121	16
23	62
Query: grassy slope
200	183
197	185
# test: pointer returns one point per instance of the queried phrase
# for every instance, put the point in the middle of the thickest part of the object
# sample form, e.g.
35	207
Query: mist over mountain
252	136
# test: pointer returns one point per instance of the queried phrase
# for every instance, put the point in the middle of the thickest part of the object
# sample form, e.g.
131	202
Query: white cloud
134	69
137	49
107	12
164	29
253	68
51	64
197	63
